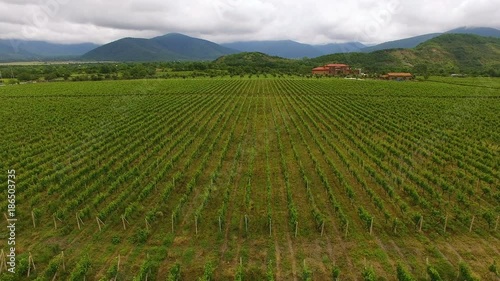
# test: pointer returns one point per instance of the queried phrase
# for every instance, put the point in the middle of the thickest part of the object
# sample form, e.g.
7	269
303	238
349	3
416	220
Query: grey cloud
320	21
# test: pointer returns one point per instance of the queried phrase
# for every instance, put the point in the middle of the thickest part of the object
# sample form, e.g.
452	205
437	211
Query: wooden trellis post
471	223
371	226
196	224
118	265
322	229
3	262
117	268
296	228
124	220
79	220
246	223
421	222
99	222
30	263
63	263
33	219
172	222
55	223
220	225
445	223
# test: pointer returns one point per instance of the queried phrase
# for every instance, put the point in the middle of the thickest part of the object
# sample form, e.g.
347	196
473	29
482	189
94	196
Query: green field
268	179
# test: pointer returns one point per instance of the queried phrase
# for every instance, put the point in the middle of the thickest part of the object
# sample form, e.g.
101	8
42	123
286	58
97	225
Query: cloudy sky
318	21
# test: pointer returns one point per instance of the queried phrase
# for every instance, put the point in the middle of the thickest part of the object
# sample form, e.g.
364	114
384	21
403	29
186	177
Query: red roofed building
398	76
321	70
334	69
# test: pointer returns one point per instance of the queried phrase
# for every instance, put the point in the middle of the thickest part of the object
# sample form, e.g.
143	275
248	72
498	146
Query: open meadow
252	179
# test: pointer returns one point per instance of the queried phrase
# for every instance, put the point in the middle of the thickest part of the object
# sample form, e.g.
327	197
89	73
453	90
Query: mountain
168	47
406	43
412	42
251	59
446	53
8	52
335	48
293	50
255	62
460	52
284	48
35	50
176	46
481	31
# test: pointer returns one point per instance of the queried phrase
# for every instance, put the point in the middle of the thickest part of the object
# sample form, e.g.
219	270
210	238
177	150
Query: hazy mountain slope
283	48
411	42
29	50
447	53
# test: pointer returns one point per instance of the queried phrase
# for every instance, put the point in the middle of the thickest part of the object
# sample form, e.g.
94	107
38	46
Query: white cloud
319	21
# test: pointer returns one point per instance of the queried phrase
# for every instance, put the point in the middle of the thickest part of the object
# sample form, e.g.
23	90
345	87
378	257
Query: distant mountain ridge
292	49
413	42
334	48
406	43
39	50
173	46
481	31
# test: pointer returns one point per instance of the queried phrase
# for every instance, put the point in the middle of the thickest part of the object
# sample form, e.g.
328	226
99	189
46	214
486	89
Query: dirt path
452	249
230	210
396	247
282	198
346	254
277	257
292	255
234	188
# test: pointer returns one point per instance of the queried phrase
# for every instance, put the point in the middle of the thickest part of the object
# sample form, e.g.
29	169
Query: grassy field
265	179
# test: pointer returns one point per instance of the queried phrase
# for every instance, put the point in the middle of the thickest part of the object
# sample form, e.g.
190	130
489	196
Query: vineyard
252	179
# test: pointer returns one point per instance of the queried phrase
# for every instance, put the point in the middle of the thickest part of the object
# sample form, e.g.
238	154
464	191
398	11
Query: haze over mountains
294	50
176	46
412	42
20	50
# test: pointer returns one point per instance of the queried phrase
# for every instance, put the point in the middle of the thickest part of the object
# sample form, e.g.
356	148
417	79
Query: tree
50	76
24	76
422	69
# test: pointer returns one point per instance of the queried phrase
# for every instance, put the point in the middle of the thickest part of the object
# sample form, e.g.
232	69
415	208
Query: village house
335	69
397	76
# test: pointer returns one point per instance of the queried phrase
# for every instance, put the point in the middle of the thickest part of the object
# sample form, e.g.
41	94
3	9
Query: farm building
320	70
335	69
397	76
